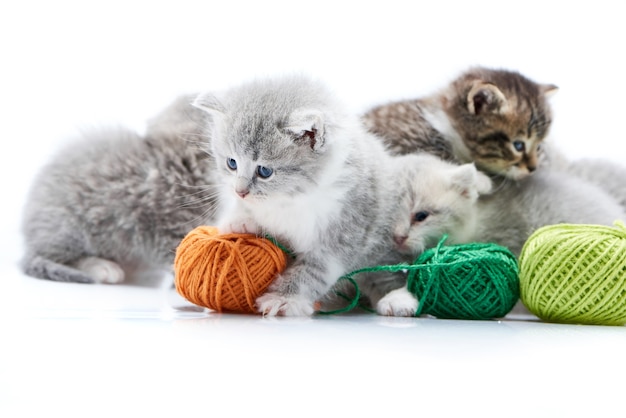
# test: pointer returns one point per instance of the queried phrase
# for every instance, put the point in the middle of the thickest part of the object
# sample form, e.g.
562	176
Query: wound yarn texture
226	272
465	281
575	274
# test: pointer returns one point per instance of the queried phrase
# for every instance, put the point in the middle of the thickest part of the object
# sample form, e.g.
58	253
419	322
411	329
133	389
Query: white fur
103	271
399	302
440	121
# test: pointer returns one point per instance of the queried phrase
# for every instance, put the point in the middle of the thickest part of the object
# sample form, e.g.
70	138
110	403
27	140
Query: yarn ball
226	272
575	274
465	281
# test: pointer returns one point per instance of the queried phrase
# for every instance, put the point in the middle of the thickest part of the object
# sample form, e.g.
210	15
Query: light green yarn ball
575	274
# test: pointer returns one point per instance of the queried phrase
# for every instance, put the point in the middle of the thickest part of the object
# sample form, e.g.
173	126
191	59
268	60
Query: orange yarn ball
226	272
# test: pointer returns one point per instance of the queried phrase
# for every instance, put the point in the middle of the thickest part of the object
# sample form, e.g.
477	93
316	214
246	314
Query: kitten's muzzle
400	241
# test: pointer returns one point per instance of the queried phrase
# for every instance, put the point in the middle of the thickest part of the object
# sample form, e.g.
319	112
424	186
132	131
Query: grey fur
113	204
331	194
506	216
510	213
494	118
549	197
606	174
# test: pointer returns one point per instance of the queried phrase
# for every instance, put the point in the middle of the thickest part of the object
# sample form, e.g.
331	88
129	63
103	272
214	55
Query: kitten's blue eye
519	146
421	216
264	172
232	164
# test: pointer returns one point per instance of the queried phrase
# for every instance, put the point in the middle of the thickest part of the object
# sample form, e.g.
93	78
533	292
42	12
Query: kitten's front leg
398	302
238	221
388	293
297	291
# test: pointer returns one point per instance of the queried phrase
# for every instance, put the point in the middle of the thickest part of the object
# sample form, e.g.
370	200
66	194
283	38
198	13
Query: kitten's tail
43	268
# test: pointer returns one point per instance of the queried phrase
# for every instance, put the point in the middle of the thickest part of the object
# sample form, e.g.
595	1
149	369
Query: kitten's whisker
208	216
192	201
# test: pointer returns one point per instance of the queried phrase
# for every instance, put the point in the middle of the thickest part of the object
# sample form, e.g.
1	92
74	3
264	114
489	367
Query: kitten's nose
243	193
400	240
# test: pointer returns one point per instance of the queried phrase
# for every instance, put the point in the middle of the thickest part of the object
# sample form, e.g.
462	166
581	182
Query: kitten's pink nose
400	240
243	193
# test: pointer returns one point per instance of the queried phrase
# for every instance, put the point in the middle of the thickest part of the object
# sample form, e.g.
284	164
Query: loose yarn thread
463	281
575	274
226	272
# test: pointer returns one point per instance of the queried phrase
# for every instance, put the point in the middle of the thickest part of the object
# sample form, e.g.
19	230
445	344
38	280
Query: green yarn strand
467	281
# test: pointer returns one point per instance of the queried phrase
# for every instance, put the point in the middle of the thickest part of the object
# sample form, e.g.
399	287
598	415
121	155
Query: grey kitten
293	164
507	216
114	205
608	175
494	118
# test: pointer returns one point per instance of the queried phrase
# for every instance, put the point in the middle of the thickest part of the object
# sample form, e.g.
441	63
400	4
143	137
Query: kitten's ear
470	182
548	90
209	103
486	97
307	126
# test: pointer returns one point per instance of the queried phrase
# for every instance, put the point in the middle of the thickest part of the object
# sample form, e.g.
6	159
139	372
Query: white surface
76	350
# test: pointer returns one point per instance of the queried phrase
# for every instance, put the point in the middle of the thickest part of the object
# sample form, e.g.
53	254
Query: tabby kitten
494	118
506	217
292	164
113	206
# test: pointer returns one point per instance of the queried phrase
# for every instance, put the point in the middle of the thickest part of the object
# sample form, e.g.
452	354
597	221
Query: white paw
399	302
272	304
243	226
102	271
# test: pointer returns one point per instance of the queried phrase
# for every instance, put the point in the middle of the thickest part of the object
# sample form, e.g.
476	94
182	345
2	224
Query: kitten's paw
102	271
399	302
244	226
272	304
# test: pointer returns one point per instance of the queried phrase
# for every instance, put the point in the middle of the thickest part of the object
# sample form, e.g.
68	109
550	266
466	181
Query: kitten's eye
232	164
264	172
421	216
519	146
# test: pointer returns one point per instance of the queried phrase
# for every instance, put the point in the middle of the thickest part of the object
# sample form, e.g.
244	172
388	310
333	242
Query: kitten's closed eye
498	137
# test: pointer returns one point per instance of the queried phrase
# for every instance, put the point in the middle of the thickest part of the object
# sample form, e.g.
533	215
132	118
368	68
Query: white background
71	65
65	66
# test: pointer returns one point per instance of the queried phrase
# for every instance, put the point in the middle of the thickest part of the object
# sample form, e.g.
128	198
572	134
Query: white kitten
507	216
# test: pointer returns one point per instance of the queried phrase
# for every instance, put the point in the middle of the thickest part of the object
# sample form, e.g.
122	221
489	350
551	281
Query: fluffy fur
507	216
494	118
294	165
608	175
113	206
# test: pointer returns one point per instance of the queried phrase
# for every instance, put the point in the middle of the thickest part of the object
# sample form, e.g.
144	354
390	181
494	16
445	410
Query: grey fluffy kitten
494	118
293	164
506	217
608	175
114	205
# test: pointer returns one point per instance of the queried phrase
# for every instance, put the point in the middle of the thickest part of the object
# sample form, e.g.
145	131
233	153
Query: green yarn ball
575	274
465	281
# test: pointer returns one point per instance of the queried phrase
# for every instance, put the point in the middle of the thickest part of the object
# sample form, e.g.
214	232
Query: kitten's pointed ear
307	127
485	97
209	103
470	182
548	90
